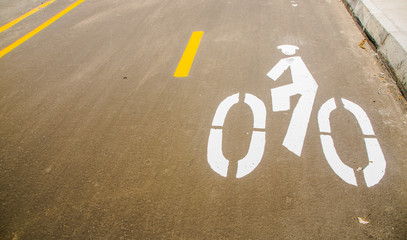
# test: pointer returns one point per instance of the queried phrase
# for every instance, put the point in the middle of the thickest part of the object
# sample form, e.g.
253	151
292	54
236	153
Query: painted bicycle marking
305	85
376	168
246	165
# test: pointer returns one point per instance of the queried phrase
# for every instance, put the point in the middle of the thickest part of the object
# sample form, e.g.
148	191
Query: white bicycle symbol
304	84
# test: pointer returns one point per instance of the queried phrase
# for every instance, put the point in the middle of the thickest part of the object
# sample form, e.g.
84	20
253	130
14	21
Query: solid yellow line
187	58
39	28
15	21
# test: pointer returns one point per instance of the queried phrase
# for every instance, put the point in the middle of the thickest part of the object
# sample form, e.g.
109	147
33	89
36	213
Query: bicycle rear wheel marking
246	165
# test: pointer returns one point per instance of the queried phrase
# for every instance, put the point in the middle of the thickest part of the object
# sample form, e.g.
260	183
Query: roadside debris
362	221
361	45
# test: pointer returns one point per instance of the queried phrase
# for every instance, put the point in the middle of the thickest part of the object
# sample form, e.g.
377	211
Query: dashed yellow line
12	23
39	28
187	58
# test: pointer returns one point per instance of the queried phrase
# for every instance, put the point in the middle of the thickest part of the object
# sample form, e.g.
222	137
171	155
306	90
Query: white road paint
246	165
303	84
375	170
288	50
223	109
341	169
259	110
360	116
253	157
216	159
323	116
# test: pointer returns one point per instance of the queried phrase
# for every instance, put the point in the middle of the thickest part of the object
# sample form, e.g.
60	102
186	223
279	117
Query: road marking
15	21
246	165
39	28
360	116
303	84
376	168
187	58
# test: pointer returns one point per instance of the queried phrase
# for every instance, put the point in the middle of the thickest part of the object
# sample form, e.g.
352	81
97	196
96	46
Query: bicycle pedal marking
303	83
376	168
247	164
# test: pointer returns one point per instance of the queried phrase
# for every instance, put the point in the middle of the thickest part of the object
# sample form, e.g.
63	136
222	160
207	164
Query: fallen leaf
362	221
361	45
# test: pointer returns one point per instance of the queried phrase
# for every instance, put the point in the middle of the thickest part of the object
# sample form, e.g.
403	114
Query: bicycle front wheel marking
376	168
246	165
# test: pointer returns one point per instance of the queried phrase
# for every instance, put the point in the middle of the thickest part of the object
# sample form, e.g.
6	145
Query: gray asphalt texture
98	140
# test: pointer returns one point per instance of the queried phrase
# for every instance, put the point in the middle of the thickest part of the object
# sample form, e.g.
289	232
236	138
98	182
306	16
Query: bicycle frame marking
304	84
246	165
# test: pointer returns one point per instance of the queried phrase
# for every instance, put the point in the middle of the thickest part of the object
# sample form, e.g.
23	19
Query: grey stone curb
390	42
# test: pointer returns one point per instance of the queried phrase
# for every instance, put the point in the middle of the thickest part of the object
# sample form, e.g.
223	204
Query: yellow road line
187	58
15	21
39	28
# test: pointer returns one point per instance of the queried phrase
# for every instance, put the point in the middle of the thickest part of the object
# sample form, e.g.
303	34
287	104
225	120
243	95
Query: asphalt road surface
99	139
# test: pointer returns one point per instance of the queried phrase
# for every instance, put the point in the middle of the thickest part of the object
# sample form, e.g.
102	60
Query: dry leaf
362	221
361	45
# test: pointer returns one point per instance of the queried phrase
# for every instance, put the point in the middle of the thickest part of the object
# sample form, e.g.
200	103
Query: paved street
284	127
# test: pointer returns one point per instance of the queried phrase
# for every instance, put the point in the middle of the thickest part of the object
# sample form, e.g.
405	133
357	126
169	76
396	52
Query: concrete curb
390	41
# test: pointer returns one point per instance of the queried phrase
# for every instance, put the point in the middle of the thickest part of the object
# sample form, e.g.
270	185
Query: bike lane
100	140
